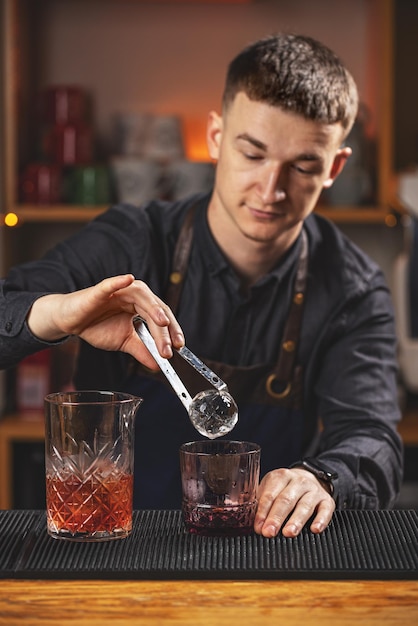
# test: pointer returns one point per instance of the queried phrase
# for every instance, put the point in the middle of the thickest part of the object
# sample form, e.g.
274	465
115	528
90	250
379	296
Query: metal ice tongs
168	370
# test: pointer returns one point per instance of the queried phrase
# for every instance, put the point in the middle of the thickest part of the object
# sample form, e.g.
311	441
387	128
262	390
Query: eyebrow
309	157
252	140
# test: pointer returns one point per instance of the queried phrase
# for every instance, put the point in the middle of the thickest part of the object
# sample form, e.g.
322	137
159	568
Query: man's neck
250	259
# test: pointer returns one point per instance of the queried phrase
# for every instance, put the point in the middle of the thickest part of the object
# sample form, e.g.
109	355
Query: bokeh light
11	219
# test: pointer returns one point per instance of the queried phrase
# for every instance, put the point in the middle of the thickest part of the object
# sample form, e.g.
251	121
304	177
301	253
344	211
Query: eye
252	157
308	171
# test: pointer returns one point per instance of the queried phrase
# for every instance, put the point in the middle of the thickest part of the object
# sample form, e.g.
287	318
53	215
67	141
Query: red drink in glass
222	521
219	483
89	464
98	507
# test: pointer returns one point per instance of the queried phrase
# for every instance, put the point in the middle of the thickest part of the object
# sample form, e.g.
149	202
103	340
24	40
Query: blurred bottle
41	183
89	185
67	133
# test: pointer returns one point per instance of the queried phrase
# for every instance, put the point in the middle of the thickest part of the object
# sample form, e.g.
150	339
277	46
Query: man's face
272	166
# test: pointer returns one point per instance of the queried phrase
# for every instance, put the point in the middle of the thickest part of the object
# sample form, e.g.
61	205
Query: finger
161	321
115	283
273	507
168	336
162	338
304	510
323	515
137	298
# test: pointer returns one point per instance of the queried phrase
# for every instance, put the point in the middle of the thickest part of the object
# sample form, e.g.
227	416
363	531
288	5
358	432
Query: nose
272	186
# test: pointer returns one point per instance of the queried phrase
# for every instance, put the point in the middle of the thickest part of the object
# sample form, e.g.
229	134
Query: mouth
266	215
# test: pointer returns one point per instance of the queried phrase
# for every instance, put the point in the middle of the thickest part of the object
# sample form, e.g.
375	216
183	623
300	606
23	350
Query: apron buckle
277	394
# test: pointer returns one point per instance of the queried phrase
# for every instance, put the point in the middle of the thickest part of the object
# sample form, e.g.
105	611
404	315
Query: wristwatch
318	470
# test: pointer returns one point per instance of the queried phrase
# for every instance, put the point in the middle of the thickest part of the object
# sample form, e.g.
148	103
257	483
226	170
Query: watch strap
319	470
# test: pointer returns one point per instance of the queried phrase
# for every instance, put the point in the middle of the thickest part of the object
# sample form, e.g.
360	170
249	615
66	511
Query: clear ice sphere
213	413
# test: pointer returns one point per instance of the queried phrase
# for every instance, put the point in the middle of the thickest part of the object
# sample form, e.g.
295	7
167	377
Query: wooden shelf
73	213
359	215
55	213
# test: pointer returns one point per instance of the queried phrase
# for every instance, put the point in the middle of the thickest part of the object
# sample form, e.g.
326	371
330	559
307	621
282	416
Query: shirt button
8	327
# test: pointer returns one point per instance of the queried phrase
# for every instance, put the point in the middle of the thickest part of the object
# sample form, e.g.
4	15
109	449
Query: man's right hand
102	315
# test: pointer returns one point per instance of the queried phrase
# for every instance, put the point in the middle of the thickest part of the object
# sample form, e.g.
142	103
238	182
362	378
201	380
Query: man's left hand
287	500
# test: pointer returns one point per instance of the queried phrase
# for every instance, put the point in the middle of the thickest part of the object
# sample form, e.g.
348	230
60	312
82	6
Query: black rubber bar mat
356	545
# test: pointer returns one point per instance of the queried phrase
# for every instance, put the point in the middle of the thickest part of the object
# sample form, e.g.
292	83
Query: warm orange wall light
194	137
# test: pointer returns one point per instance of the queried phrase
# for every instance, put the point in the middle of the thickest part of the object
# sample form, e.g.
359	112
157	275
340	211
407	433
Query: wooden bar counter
208	603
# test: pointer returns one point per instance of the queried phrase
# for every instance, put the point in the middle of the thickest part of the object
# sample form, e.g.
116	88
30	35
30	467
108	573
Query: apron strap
180	260
279	383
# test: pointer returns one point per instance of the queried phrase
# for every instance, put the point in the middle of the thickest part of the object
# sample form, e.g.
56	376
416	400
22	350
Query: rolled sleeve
16	340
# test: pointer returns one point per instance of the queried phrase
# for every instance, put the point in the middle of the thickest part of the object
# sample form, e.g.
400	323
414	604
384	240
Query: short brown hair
297	74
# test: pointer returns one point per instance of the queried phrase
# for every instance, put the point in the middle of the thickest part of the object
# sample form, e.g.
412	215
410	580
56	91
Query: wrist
40	320
322	473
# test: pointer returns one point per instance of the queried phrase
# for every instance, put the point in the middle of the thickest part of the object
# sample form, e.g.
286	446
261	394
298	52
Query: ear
214	134
337	166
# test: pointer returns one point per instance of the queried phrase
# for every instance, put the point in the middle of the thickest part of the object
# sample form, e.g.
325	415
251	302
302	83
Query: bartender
275	299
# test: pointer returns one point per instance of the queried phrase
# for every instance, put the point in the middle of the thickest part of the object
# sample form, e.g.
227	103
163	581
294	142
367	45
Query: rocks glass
219	483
